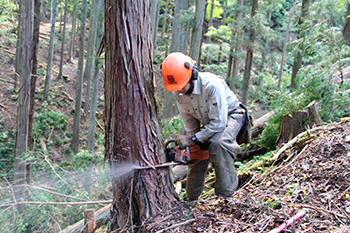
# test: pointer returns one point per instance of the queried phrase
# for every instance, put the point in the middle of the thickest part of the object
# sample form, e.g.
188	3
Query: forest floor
310	178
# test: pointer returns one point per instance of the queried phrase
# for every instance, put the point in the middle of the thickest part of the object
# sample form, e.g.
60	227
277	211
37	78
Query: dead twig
177	225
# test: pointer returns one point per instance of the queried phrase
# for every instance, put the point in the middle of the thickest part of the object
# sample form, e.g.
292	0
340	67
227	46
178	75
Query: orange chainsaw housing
190	155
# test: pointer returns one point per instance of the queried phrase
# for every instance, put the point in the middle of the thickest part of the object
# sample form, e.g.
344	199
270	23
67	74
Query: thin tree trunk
63	39
37	4
94	91
196	43
18	47
133	133
178	40
208	40
165	18
23	104
74	18
79	83
90	57
50	53
249	58
346	28
298	59
284	51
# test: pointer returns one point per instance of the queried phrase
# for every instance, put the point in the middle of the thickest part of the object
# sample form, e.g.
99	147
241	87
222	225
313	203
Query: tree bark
249	58
50	53
19	170
133	134
37	4
79	83
298	59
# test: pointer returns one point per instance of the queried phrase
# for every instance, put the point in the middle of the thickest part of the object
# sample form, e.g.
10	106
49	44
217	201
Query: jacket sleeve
218	111
192	125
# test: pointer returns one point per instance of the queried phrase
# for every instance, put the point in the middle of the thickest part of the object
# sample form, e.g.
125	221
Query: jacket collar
197	86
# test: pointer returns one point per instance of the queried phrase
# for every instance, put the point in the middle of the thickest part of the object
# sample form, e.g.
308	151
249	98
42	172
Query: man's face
185	88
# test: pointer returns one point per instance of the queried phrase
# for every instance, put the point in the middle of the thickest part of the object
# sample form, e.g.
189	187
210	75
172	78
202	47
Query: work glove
183	141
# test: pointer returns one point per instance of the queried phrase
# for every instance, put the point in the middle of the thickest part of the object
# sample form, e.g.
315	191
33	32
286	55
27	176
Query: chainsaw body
187	156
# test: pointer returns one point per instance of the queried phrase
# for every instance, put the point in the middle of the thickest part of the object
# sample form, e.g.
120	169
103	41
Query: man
211	113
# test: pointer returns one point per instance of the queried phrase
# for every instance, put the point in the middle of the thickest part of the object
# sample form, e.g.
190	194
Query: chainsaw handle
168	142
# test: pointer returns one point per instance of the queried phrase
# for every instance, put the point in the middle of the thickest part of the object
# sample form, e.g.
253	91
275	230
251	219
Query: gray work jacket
205	111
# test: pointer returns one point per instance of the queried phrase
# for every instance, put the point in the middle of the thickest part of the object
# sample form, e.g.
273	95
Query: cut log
260	123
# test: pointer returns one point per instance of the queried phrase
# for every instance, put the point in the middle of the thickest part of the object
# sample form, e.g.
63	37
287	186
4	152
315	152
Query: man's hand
183	141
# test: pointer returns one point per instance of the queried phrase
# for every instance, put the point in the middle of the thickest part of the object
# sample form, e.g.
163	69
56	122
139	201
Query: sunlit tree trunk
249	58
94	91
90	56
23	104
233	62
74	22
79	83
298	59
50	53
133	133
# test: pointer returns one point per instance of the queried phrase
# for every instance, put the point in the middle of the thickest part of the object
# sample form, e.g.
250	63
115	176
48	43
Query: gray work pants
223	149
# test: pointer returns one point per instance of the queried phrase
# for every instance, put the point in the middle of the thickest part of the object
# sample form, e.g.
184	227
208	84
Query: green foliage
217	10
7	11
172	126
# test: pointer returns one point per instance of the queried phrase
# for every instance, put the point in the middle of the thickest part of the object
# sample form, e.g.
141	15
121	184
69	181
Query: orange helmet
177	71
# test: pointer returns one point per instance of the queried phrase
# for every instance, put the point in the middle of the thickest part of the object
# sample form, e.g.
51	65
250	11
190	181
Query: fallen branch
3	106
56	203
294	140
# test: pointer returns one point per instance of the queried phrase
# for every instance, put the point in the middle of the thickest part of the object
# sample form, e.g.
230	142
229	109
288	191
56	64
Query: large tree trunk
79	87
133	134
19	170
249	58
298	59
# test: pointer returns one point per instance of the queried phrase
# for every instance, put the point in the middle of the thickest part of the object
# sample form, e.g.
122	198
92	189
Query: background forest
275	55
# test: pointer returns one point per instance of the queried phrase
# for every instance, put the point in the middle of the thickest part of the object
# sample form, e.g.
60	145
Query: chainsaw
182	156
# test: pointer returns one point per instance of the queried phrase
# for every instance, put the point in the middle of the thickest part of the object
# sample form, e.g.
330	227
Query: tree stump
314	116
292	125
89	221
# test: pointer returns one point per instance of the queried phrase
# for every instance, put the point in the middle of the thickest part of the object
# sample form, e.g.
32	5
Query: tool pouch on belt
245	134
